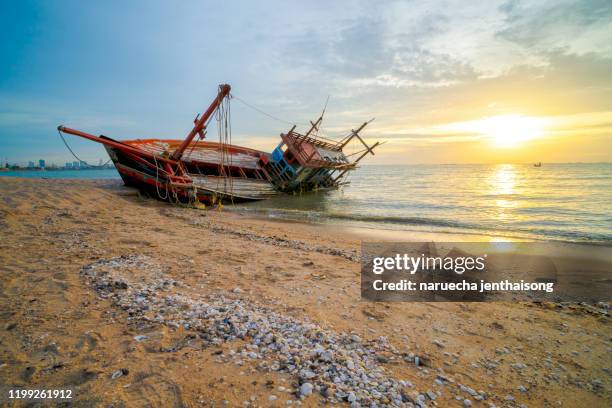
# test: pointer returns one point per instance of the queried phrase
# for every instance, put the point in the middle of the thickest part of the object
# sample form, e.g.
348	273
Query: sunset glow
509	130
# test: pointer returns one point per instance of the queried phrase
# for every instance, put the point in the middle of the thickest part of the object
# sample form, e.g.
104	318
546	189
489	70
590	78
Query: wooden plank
252	189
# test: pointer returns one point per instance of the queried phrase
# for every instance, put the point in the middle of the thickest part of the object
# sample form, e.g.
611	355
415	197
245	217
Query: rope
224	129
319	131
157	180
228	128
268	114
74	154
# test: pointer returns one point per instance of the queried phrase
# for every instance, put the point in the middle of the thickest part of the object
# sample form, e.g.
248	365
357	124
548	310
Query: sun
503	131
508	131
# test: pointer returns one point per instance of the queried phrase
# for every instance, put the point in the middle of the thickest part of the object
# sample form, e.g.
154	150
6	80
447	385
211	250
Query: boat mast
200	121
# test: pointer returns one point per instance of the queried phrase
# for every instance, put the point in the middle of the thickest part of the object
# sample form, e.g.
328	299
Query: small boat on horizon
192	170
538	164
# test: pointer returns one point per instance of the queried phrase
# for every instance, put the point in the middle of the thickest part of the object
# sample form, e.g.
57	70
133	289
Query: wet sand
60	327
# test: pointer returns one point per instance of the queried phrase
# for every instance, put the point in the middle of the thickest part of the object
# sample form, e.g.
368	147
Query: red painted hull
241	177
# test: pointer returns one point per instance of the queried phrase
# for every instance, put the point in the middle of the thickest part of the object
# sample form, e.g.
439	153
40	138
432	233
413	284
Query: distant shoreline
4	169
62	174
110	166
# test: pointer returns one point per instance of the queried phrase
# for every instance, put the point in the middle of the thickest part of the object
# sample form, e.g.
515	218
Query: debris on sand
341	367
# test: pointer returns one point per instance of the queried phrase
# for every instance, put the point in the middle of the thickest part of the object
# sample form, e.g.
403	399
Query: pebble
306	389
116	374
469	390
467	403
326	356
307	374
438	343
338	365
382	359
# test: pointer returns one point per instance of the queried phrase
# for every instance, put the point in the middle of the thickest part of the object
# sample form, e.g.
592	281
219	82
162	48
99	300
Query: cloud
577	27
413	65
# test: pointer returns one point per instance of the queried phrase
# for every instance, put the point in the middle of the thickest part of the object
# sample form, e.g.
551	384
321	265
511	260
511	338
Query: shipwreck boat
197	170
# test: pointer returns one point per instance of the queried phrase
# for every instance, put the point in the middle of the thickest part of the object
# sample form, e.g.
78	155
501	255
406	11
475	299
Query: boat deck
235	187
204	152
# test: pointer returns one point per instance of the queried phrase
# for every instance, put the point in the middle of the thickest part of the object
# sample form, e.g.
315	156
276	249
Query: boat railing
309	160
317	141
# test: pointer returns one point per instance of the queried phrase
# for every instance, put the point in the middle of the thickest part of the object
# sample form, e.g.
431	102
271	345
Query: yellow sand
54	323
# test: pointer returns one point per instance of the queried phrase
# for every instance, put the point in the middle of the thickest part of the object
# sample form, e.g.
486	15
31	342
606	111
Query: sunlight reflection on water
570	202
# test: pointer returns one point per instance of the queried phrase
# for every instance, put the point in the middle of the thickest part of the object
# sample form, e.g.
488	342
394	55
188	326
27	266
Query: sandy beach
130	302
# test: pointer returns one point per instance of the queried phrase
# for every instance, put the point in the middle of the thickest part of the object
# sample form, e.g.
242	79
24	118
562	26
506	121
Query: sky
446	81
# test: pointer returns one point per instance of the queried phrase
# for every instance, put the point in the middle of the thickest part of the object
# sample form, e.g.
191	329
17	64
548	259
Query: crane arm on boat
200	122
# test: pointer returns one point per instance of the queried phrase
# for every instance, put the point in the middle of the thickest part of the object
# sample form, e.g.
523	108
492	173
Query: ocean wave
399	220
444	225
569	203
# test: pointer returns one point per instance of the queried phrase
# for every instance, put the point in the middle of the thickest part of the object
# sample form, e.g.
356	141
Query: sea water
566	202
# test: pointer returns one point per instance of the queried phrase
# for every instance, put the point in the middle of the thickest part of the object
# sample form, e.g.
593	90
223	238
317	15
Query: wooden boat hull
240	180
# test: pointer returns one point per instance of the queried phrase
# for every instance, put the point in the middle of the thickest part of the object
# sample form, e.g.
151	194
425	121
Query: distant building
82	164
68	165
75	164
31	165
41	163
